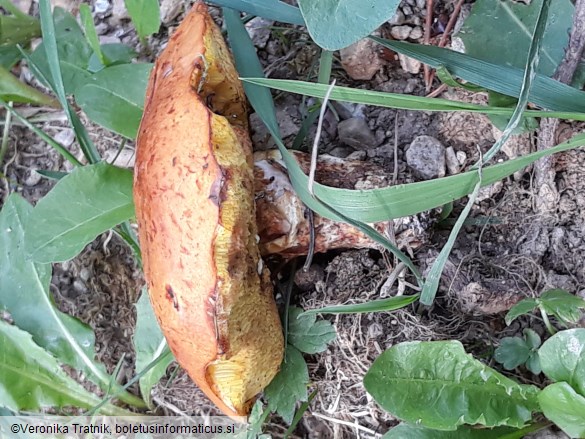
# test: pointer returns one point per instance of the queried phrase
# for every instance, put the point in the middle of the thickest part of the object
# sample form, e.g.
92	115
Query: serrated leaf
145	15
24	293
89	201
31	379
406	431
525	306
501	32
289	385
149	345
335	24
562	358
512	352
437	385
114	97
561	304
307	334
565	407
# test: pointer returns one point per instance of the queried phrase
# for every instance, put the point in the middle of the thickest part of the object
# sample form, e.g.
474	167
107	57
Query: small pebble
169	10
356	133
79	286
33	178
305	280
401	32
453	165
101	6
416	33
84	274
65	137
361	60
407	10
426	157
397	19
409	64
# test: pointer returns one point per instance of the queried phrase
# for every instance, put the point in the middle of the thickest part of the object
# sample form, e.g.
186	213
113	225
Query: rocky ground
512	250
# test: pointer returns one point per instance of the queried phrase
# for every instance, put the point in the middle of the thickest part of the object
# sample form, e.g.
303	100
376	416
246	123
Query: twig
427	40
315	150
312	170
544	172
5	134
446	32
354	425
395	170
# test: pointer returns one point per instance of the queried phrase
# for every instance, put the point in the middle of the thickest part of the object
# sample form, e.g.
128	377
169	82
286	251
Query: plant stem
519	434
547	323
4	146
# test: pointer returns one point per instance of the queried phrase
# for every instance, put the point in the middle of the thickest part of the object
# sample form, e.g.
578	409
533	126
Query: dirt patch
510	252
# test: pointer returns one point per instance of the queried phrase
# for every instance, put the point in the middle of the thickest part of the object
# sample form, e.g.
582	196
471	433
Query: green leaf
114	97
11	89
335	24
527	124
270	9
149	345
308	335
90	32
31	379
515	351
525	306
73	50
406	431
114	54
289	385
24	293
19	29
545	92
565	407
501	32
89	201
562	358
145	15
561	304
437	385
381	305
9	56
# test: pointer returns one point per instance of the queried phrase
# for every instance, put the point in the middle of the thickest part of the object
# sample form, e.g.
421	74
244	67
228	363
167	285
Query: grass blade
390	304
396	100
527	80
546	92
270	9
50	44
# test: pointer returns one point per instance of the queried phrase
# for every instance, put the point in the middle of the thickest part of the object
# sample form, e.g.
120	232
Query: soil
512	251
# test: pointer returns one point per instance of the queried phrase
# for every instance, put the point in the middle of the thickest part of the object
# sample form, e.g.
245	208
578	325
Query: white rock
169	10
401	32
361	60
101	6
426	157
416	33
409	64
65	137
